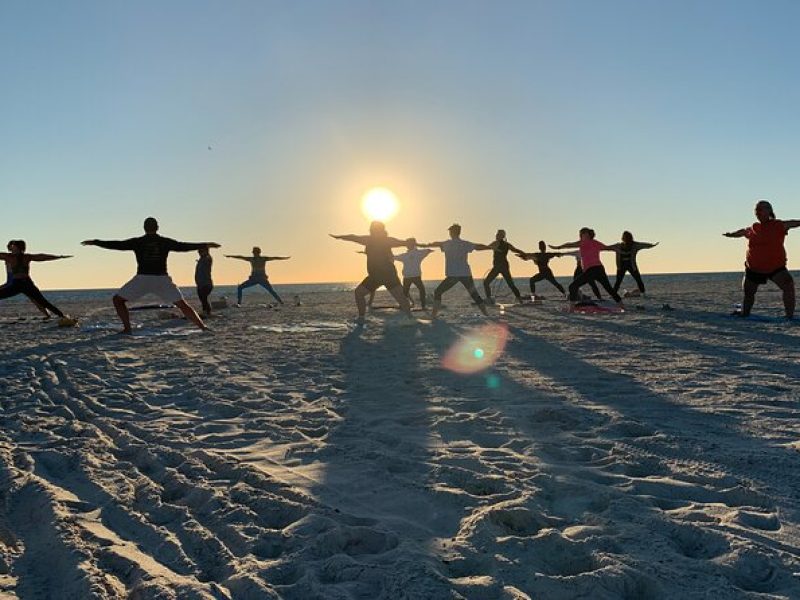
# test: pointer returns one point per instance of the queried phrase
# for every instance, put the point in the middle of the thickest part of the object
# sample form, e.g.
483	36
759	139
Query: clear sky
665	118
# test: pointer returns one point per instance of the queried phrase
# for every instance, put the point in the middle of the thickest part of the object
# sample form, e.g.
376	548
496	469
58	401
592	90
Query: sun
379	204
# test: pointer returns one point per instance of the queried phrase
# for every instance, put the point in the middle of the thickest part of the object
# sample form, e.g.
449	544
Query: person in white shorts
151	274
456	267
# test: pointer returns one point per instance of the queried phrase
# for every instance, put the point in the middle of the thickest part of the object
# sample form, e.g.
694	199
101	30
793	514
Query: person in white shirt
412	269
456	267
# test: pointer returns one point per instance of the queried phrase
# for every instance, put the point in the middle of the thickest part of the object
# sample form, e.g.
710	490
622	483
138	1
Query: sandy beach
290	454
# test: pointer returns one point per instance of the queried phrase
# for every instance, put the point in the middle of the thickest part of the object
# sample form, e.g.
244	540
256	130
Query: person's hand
88	242
214	245
65	256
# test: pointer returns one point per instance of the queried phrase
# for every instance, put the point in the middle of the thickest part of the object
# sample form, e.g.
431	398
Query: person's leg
576	284
784	280
599	275
397	293
439	291
595	290
506	273
203	292
361	293
421	287
469	283
268	286
242	286
190	313
9	290
122	311
749	289
488	282
638	278
407	289
620	277
558	286
33	293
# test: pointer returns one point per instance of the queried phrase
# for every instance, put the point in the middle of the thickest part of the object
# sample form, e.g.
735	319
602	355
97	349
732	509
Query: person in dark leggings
202	279
500	247
766	257
10	279
258	273
19	264
380	267
542	260
593	270
456	269
626	251
579	271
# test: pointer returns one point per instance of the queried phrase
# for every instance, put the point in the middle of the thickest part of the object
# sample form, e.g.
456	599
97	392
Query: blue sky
665	118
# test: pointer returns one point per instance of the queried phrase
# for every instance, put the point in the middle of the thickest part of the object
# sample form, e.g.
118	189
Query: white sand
647	455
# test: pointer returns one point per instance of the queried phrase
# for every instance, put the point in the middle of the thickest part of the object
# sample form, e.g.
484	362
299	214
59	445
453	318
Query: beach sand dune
290	454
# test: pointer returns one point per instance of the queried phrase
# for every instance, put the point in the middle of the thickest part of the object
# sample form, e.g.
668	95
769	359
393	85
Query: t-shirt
151	251
455	258
412	261
765	251
590	253
202	271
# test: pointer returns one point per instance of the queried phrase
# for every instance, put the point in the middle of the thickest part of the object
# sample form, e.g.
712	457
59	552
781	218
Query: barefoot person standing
593	269
456	267
500	247
202	279
766	257
380	267
542	260
411	260
258	273
151	276
18	264
10	279
626	251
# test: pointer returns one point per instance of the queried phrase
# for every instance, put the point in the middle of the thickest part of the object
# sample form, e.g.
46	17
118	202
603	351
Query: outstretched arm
46	257
648	245
791	224
483	247
237	256
430	245
735	234
565	245
129	244
560	254
358	239
189	246
277	257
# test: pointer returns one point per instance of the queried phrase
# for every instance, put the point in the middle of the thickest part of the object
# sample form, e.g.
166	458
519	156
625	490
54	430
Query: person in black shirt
202	279
542	260
500	248
380	266
151	276
626	251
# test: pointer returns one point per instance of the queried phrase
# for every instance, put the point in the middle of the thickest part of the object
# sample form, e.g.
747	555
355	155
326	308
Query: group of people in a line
381	271
765	261
151	277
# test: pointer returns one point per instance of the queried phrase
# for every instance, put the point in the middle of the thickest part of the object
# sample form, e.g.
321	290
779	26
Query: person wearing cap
456	268
151	276
380	267
766	257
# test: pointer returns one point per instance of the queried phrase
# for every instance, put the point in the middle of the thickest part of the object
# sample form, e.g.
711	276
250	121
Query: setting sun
379	204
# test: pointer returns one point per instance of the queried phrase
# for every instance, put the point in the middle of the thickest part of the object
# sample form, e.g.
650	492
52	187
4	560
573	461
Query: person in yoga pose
593	269
542	260
18	264
151	277
766	257
456	268
626	251
380	266
500	247
258	273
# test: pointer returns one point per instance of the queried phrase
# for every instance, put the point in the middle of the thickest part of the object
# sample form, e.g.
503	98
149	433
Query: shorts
761	278
373	281
158	285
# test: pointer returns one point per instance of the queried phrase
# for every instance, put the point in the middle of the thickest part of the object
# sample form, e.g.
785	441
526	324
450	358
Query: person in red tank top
766	257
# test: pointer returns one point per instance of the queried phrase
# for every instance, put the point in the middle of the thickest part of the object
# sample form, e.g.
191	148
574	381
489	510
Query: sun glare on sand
379	204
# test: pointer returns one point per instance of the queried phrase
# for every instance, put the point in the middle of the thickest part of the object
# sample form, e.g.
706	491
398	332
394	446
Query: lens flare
476	350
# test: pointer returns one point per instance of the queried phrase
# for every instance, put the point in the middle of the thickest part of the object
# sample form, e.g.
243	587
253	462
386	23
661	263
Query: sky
263	123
